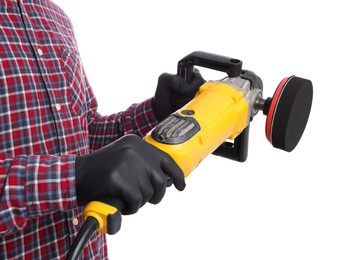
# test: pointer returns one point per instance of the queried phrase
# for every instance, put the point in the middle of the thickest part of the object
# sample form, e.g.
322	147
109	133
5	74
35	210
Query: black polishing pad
288	113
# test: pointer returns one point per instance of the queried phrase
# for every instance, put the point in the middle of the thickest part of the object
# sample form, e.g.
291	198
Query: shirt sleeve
138	119
34	185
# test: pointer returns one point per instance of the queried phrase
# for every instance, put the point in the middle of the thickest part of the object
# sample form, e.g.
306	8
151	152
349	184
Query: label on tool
175	129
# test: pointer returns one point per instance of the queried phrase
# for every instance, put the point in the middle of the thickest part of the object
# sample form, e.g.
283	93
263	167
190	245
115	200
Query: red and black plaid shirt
48	115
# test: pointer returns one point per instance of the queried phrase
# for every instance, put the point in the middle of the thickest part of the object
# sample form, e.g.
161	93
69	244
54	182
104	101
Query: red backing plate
273	106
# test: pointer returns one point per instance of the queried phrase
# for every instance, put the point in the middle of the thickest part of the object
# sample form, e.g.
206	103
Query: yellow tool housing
100	211
221	111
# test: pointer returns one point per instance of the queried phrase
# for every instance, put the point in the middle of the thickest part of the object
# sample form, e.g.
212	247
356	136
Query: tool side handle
228	65
114	220
107	212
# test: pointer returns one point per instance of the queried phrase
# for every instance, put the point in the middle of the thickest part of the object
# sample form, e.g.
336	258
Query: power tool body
220	111
216	122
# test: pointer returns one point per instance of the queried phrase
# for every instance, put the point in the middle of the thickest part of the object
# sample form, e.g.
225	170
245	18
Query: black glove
129	168
173	92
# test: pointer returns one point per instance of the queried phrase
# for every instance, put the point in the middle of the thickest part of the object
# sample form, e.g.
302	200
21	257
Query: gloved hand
129	168
173	92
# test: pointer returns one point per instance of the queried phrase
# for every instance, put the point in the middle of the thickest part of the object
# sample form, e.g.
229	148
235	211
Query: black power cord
87	230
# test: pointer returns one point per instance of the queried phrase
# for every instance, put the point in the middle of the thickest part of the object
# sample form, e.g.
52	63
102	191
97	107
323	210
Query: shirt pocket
75	81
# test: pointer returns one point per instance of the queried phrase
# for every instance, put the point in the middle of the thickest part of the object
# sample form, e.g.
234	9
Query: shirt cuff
50	184
140	119
148	107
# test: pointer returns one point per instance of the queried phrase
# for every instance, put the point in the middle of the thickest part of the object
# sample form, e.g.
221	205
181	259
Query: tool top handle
228	65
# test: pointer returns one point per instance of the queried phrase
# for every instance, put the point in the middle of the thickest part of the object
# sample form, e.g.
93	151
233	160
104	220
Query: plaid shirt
48	115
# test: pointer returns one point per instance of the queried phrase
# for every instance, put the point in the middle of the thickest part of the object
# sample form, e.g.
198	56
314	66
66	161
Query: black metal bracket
238	150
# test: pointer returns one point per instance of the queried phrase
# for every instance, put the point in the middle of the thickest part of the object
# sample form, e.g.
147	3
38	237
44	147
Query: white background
276	205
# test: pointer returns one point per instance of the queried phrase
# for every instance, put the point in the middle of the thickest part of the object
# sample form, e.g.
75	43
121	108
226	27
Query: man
57	153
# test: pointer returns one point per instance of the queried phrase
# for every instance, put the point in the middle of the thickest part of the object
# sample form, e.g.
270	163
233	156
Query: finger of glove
179	102
133	200
176	83
166	79
159	182
181	87
154	177
196	80
162	97
188	89
147	189
170	167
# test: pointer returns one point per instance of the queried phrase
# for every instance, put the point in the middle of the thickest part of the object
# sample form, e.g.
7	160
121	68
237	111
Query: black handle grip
114	221
229	65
